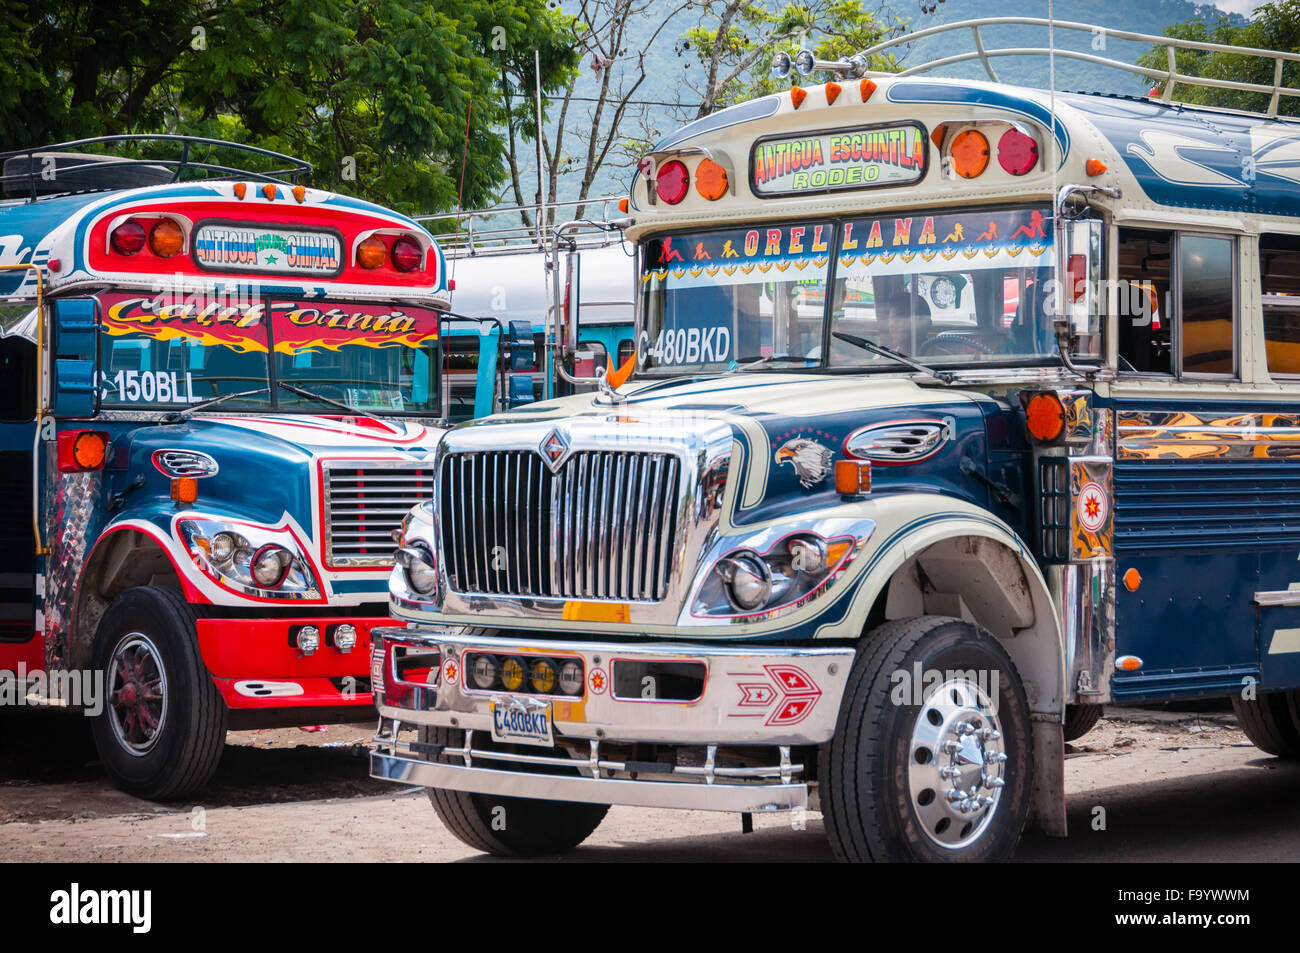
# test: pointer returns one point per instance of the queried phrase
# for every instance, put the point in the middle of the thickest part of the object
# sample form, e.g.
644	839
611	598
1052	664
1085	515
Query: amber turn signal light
1045	417
1132	579
852	477
81	450
711	180
185	489
372	253
970	154
166	239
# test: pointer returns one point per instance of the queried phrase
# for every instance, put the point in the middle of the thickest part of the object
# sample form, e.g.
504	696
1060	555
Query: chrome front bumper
753	696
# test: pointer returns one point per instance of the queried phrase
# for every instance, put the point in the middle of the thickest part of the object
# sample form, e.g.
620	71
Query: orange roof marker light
866	88
299	193
711	180
970	154
832	92
797	95
240	189
269	191
1095	167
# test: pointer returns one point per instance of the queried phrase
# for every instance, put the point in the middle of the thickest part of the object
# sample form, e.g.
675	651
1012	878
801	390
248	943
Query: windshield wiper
178	415
303	392
889	352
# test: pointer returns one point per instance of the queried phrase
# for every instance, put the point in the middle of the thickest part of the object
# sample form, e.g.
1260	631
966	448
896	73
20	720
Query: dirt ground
1143	785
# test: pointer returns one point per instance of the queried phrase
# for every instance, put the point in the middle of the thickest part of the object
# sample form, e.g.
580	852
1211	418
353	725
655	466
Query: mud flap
1047	796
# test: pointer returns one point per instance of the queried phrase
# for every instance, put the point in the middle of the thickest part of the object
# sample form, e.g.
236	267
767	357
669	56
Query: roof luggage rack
501	231
857	65
57	169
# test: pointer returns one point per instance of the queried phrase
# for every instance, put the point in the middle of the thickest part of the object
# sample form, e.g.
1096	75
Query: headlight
418	563
255	560
749	581
270	564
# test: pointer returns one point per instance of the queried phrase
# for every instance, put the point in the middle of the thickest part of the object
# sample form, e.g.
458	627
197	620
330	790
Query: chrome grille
603	527
364	504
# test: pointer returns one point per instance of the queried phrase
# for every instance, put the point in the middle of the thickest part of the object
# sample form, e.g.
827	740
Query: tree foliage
382	96
1274	26
736	42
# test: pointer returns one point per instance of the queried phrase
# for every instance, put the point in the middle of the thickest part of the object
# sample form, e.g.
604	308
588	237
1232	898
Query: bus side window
1206	267
1279	272
1177	303
1145	325
17	380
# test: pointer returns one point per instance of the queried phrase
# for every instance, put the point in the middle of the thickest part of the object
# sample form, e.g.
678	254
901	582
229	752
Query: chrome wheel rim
957	764
137	693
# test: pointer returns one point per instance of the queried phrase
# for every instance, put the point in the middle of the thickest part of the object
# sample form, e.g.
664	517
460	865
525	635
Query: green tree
736	42
382	96
1274	26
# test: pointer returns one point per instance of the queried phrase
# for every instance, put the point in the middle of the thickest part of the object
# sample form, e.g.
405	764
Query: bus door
17	438
1203	504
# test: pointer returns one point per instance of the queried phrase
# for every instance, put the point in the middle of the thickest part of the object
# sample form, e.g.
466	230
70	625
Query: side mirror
520	390
73	372
522	354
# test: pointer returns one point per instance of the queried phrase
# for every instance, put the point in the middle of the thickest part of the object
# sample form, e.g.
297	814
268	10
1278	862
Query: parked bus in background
959	406
502	295
220	391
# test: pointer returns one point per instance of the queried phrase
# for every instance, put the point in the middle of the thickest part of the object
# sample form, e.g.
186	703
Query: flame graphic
131	316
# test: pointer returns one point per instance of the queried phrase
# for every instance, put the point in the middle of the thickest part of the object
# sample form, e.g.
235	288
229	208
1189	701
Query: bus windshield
952	288
161	354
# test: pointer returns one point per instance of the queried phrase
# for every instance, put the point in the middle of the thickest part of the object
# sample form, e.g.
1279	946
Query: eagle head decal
810	459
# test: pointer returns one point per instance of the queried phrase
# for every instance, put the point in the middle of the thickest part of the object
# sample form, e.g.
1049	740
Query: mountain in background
671	72
1150	16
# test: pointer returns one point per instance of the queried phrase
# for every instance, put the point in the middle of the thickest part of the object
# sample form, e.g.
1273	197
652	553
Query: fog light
345	638
485	671
512	674
308	639
543	677
571	678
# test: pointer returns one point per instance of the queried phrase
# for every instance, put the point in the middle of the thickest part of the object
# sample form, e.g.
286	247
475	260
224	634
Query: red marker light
1017	152
672	182
128	238
406	254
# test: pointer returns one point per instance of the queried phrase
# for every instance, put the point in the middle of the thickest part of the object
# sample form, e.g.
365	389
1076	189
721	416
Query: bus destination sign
275	251
838	160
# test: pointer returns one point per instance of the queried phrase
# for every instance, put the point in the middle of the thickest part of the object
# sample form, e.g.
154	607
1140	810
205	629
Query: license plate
516	721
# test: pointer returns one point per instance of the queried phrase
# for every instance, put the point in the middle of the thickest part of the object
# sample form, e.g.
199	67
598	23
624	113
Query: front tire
1271	721
163	726
935	772
510	826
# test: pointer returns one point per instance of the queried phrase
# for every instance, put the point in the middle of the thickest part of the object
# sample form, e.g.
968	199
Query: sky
1244	7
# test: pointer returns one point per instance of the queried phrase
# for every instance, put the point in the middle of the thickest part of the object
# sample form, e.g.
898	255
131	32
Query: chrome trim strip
1278	597
684	795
